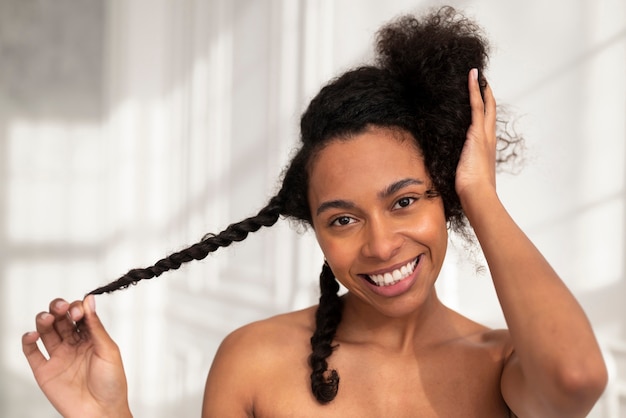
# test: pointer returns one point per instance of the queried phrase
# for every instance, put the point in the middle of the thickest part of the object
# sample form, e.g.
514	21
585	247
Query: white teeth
388	278
395	276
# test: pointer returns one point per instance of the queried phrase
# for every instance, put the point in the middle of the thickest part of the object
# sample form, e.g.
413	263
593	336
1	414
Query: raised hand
555	368
83	375
476	169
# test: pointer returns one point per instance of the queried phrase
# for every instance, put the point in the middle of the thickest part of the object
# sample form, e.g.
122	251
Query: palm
84	375
70	374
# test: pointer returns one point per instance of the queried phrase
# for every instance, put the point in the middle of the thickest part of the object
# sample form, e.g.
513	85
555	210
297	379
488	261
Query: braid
267	216
325	384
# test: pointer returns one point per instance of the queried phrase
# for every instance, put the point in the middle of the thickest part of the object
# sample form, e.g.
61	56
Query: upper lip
391	268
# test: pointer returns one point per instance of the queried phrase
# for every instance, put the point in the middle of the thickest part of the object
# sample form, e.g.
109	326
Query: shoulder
496	341
264	340
253	355
486	350
268	334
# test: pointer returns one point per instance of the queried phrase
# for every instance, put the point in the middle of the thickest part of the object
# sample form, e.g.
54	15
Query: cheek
338	253
432	226
333	250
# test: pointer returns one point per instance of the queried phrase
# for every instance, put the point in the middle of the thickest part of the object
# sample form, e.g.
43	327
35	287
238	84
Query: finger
76	311
476	101
92	326
490	111
50	338
34	356
63	323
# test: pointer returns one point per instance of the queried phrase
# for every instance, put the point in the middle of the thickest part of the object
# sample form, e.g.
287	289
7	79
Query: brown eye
342	221
404	202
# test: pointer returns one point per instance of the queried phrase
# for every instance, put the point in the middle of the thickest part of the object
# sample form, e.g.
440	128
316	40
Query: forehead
374	158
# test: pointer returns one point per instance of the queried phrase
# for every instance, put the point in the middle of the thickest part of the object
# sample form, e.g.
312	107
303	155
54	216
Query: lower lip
396	289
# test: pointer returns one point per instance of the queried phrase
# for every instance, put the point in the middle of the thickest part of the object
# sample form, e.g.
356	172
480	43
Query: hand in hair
556	367
83	376
477	165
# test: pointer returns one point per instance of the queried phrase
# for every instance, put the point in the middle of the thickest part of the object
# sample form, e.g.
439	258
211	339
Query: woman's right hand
83	376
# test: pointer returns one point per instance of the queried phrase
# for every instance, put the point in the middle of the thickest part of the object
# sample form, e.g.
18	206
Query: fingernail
91	302
474	72
74	313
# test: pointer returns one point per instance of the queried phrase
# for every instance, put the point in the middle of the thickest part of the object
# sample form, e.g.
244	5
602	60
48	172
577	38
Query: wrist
473	195
110	412
479	200
117	410
122	413
123	410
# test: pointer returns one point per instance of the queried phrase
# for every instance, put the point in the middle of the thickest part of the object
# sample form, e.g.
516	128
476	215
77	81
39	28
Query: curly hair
417	83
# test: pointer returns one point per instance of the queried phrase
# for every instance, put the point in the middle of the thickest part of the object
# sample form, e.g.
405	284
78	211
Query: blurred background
130	128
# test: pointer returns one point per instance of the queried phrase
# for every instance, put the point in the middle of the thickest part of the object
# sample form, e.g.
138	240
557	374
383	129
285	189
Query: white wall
200	106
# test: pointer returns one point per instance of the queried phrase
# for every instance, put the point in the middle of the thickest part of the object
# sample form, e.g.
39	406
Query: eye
403	202
342	221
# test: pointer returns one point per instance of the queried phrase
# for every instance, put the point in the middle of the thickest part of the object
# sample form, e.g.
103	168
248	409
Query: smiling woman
371	224
393	155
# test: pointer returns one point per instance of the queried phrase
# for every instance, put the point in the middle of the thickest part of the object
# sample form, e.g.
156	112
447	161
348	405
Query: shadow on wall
51	79
20	398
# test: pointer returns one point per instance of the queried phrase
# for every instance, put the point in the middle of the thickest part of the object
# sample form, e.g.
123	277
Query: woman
393	156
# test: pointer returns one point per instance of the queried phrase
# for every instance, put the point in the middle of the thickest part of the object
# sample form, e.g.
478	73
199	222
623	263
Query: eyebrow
335	204
388	191
399	185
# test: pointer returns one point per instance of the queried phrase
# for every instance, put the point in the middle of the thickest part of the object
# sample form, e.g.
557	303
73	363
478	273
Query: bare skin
456	373
400	352
84	376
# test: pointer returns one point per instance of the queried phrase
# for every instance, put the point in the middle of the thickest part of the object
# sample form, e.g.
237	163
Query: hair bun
433	55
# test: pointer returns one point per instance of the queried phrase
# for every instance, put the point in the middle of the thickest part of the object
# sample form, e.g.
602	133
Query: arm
228	388
556	368
83	376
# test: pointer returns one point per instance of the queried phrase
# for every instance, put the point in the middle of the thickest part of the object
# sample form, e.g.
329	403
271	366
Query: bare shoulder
496	340
485	350
261	340
249	357
267	334
475	355
497	344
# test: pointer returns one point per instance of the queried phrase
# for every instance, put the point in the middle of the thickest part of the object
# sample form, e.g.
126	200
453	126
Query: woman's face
382	236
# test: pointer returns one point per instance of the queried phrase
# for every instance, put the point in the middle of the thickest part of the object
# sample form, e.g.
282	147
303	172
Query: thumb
92	325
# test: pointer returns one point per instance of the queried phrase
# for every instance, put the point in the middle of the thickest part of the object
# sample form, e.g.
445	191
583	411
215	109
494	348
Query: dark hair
418	83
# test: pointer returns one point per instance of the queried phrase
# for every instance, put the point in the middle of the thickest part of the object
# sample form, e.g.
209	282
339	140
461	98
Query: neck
423	326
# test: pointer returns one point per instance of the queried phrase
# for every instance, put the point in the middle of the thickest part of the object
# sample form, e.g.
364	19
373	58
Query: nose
381	241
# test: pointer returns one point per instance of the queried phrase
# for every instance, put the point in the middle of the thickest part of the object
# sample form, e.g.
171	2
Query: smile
392	277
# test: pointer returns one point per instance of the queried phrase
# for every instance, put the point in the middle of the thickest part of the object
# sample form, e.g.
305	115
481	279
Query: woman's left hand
476	169
83	375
